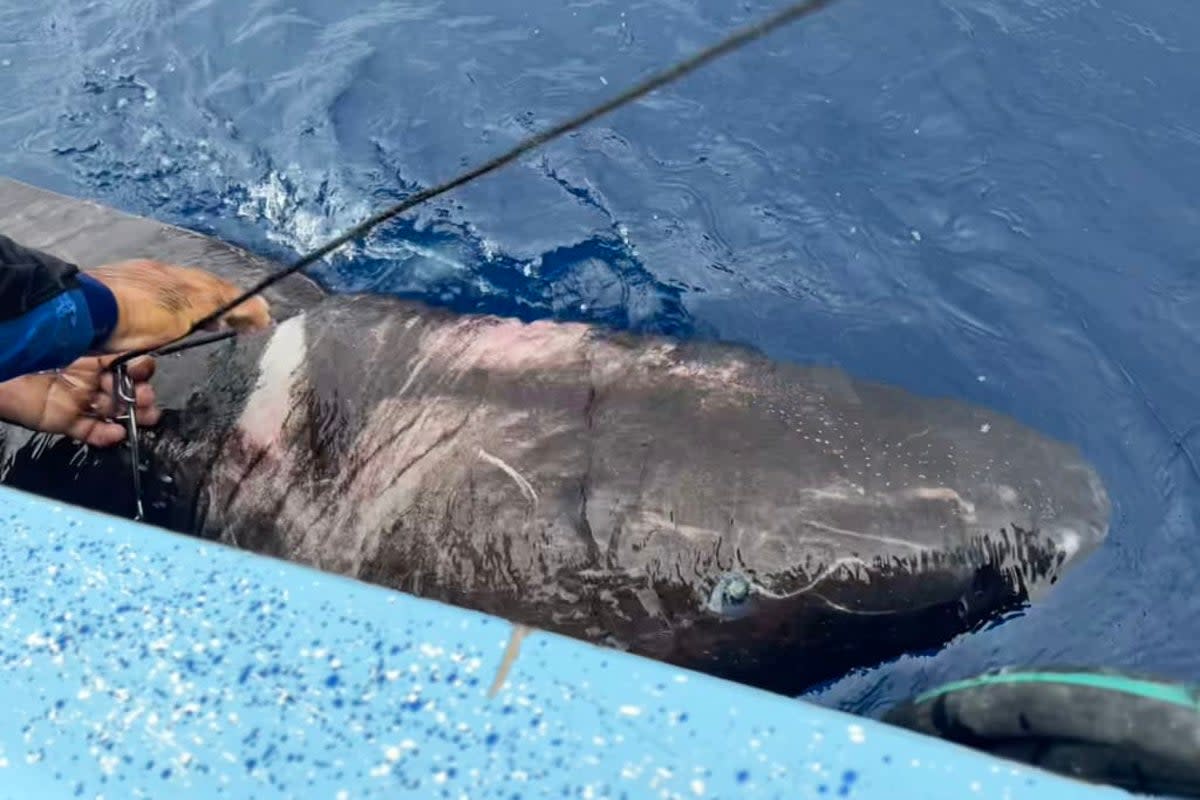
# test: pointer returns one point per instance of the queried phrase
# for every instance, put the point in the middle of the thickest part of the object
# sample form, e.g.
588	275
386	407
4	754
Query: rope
736	40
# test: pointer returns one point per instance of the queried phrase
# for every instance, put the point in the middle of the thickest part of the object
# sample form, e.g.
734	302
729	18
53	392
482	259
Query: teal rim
1163	693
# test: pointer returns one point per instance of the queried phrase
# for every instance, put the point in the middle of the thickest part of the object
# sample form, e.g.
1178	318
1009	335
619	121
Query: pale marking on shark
526	487
281	362
827	572
870	537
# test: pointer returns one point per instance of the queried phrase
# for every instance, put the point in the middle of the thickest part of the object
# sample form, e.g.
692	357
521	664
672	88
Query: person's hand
78	401
157	303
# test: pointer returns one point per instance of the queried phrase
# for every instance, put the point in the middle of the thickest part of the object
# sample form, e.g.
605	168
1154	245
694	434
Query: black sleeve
30	277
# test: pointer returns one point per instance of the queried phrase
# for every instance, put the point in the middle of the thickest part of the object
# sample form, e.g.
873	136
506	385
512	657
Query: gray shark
690	501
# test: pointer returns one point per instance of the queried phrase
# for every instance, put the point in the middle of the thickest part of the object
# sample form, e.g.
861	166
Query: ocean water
997	200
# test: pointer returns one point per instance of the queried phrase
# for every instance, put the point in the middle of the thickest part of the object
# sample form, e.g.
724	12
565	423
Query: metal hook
124	395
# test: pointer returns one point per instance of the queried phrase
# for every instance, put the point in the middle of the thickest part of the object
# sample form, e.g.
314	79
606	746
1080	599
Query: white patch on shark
526	487
268	404
413	373
847	563
870	537
843	490
947	494
1069	541
1007	494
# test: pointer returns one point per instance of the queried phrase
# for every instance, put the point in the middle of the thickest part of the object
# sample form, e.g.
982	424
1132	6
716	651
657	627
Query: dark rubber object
1133	732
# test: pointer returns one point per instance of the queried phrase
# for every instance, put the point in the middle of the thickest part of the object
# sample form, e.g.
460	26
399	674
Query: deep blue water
993	199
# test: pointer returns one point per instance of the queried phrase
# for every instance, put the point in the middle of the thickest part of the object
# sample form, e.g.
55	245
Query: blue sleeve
57	332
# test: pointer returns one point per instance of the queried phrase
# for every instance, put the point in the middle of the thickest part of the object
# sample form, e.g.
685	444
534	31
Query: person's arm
50	313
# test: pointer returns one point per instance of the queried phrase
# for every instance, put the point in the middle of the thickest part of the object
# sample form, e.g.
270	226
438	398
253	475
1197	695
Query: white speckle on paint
430	651
519	775
857	734
981	378
604	80
3	763
916	235
698	788
343	795
392	753
440	777
976	786
408	744
381	771
630	711
985	427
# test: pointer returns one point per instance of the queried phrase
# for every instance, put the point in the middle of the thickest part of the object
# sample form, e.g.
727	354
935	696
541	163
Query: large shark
693	502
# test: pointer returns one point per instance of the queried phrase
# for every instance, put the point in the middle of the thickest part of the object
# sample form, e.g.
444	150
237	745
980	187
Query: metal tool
125	396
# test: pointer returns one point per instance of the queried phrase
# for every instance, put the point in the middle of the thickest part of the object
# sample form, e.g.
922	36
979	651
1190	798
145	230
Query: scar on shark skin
525	486
510	657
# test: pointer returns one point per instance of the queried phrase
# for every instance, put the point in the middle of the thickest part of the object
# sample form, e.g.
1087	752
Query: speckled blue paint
140	664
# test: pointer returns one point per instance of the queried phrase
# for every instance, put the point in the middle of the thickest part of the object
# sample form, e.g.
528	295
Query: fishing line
734	41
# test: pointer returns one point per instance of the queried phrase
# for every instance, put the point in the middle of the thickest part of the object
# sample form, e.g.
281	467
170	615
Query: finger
143	395
148	417
102	406
104	434
96	433
252	315
141	368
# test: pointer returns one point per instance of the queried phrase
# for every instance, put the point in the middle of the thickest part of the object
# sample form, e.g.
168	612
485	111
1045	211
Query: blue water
993	199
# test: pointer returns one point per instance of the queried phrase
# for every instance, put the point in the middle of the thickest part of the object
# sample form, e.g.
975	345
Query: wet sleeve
50	312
